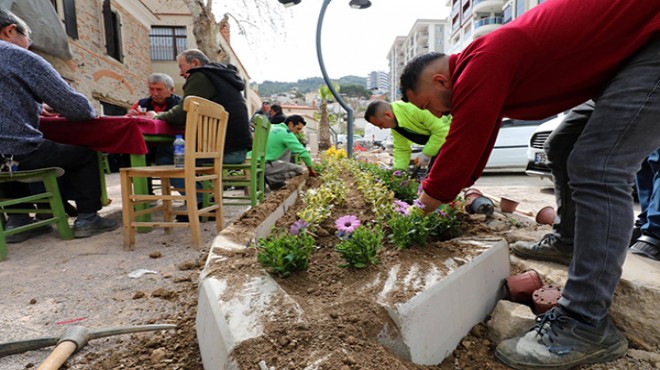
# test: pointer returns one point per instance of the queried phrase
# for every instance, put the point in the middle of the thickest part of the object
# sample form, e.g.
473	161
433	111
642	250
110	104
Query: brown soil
338	317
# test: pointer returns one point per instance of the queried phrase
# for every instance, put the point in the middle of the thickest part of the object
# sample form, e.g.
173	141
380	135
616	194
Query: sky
353	41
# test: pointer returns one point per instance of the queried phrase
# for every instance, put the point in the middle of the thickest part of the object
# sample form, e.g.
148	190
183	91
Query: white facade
426	35
470	19
378	81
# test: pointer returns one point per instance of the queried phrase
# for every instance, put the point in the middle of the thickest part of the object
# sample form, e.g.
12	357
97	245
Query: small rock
283	341
349	360
334	315
466	344
157	355
181	279
187	265
138	295
351	340
155	255
644	355
33	301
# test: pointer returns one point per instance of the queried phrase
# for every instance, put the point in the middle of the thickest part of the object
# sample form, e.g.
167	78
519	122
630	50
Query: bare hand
312	173
429	203
151	114
47	111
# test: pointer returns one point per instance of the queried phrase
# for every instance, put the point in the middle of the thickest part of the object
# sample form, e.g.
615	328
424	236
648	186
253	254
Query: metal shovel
72	340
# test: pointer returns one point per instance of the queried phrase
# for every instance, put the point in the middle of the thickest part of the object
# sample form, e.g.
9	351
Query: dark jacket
277	118
221	84
170	102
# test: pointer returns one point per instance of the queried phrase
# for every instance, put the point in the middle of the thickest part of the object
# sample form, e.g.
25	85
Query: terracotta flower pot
472	193
521	287
546	216
508	205
546	298
481	205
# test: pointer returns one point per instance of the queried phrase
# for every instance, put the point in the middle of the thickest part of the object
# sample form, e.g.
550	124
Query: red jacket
552	58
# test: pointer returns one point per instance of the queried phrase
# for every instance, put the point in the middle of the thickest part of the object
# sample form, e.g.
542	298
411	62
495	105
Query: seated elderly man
27	82
281	139
161	96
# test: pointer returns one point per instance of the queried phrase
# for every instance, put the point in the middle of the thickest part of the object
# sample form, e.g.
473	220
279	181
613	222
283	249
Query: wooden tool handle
59	356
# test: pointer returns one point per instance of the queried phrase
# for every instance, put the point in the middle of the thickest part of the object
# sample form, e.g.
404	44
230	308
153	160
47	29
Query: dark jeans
648	190
558	147
81	172
165	156
622	130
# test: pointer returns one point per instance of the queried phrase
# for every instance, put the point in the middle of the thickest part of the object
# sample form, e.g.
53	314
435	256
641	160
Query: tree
252	14
324	123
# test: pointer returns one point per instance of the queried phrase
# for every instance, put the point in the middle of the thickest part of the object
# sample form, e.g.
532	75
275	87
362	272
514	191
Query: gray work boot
558	341
83	228
22	220
550	248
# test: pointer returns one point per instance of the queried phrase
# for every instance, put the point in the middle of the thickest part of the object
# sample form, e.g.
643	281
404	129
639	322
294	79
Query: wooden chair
251	173
51	196
206	125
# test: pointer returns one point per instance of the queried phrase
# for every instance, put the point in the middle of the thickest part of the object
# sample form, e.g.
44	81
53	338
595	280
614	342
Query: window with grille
167	42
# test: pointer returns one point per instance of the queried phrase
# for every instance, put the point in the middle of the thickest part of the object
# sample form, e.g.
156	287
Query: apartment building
426	35
378	82
470	19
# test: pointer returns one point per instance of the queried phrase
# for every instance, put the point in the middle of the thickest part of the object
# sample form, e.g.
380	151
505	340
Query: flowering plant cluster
334	153
359	244
399	182
406	224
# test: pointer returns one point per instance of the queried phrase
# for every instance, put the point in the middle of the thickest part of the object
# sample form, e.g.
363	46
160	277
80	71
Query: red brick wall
92	71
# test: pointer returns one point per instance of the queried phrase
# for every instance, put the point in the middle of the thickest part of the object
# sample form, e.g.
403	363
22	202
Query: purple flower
418	203
405	182
397	173
297	227
347	224
419	190
401	206
441	212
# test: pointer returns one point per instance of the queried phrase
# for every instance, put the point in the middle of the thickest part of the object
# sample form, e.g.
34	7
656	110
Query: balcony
486	25
456	8
487	6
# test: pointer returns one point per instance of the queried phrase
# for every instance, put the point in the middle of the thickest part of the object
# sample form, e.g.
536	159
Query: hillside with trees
351	85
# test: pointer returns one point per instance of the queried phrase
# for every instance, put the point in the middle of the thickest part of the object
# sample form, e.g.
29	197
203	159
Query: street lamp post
356	4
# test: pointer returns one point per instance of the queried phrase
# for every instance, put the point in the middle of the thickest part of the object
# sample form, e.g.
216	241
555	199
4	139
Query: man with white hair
161	96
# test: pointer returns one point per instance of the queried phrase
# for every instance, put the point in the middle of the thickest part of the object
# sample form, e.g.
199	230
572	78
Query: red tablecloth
106	134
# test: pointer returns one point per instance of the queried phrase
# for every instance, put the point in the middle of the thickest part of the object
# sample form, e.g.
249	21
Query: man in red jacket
554	57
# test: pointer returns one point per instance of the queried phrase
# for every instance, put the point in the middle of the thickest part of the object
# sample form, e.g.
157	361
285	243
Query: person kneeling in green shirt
408	125
280	139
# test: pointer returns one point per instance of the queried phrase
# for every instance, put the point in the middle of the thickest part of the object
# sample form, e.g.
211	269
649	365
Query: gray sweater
26	81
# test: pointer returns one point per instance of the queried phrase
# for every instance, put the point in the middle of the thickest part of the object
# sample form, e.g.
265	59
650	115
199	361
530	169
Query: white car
537	161
510	151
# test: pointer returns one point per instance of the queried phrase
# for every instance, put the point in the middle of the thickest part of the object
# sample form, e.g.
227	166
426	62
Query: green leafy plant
285	254
359	249
412	227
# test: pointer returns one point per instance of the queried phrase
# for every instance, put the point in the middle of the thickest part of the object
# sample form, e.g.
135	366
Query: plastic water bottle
178	151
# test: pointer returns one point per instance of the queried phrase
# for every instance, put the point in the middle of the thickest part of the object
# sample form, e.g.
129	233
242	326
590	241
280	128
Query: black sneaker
647	246
558	341
550	248
28	234
86	228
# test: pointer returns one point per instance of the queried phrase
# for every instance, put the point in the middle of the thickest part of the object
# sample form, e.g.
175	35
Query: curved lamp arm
347	108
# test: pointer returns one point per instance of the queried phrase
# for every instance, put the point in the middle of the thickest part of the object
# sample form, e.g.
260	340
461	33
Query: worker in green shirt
408	125
281	138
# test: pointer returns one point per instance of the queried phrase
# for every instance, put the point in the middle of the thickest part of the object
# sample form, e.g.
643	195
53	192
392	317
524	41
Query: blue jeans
648	191
622	130
164	155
